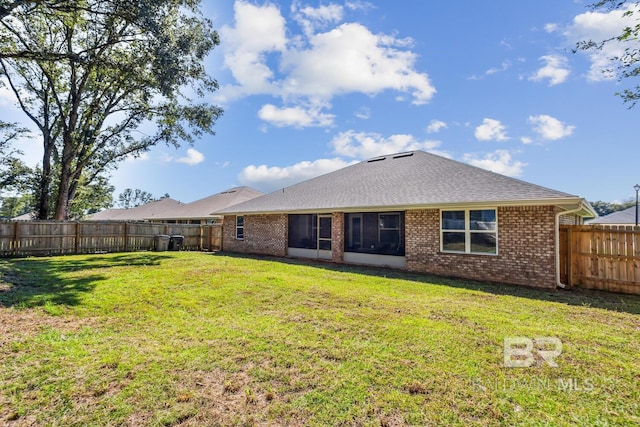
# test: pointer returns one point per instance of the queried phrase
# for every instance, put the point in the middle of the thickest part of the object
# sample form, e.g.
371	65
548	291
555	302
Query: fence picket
26	238
602	257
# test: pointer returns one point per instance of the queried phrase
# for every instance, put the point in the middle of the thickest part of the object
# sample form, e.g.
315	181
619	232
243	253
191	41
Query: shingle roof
204	208
170	209
24	217
147	211
401	180
627	216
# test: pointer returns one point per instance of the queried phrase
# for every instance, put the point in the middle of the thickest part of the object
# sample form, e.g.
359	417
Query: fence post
126	237
569	256
77	242
16	236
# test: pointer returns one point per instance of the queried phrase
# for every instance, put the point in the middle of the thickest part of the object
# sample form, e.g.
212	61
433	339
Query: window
375	233
469	231
240	227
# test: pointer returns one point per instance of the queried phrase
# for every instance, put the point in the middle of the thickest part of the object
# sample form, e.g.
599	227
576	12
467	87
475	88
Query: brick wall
571	219
263	234
337	237
526	248
526	244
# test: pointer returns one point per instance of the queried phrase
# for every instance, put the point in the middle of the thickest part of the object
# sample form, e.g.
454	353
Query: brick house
415	211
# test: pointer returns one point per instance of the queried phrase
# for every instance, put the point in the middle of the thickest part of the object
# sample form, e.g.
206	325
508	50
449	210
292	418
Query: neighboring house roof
204	208
24	217
170	209
143	212
625	217
406	180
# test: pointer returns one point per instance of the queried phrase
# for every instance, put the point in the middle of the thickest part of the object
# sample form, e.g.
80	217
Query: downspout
558	215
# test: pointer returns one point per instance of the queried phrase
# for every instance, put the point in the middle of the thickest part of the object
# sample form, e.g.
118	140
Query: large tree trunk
64	189
62	202
44	186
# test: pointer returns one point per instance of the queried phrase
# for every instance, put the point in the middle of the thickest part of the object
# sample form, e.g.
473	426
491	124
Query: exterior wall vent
377	159
401	155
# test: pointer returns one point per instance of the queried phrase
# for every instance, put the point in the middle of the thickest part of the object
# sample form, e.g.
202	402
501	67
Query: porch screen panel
379	233
303	231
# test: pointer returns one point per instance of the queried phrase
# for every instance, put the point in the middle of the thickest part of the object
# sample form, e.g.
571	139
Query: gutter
401	207
580	206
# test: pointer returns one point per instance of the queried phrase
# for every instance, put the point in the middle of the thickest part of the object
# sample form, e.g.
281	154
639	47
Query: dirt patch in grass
16	323
217	397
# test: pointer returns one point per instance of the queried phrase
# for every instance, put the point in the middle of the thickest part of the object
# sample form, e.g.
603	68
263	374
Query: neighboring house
415	211
24	217
625	217
171	211
144	212
201	211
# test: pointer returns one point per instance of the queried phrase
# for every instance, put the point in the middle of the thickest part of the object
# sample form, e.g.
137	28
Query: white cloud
311	19
320	64
436	126
526	140
258	30
500	161
556	70
192	158
350	58
362	145
491	130
359	5
503	67
295	116
143	157
363	113
551	27
549	127
599	26
270	178
7	97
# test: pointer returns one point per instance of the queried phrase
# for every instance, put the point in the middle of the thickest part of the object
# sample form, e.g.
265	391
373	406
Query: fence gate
601	257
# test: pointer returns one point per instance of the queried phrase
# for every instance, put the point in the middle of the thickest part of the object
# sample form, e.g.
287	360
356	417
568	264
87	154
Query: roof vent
401	155
377	159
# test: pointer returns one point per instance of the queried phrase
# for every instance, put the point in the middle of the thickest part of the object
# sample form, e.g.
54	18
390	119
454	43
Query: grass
191	339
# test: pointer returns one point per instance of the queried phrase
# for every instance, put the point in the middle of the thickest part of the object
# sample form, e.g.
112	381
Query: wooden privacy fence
601	257
58	238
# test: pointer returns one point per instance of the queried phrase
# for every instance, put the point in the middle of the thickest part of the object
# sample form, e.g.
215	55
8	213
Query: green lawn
192	339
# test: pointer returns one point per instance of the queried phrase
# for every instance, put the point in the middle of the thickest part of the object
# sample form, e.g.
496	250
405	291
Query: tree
104	80
628	63
131	198
12	169
91	198
605	208
12	206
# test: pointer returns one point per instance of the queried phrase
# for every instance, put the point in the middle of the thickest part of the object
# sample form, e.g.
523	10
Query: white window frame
468	232
239	227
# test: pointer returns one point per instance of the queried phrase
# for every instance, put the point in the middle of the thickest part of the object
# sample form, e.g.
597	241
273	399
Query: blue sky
309	87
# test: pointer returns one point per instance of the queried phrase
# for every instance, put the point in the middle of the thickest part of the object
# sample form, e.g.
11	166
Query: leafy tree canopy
605	208
12	169
103	80
627	64
131	198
